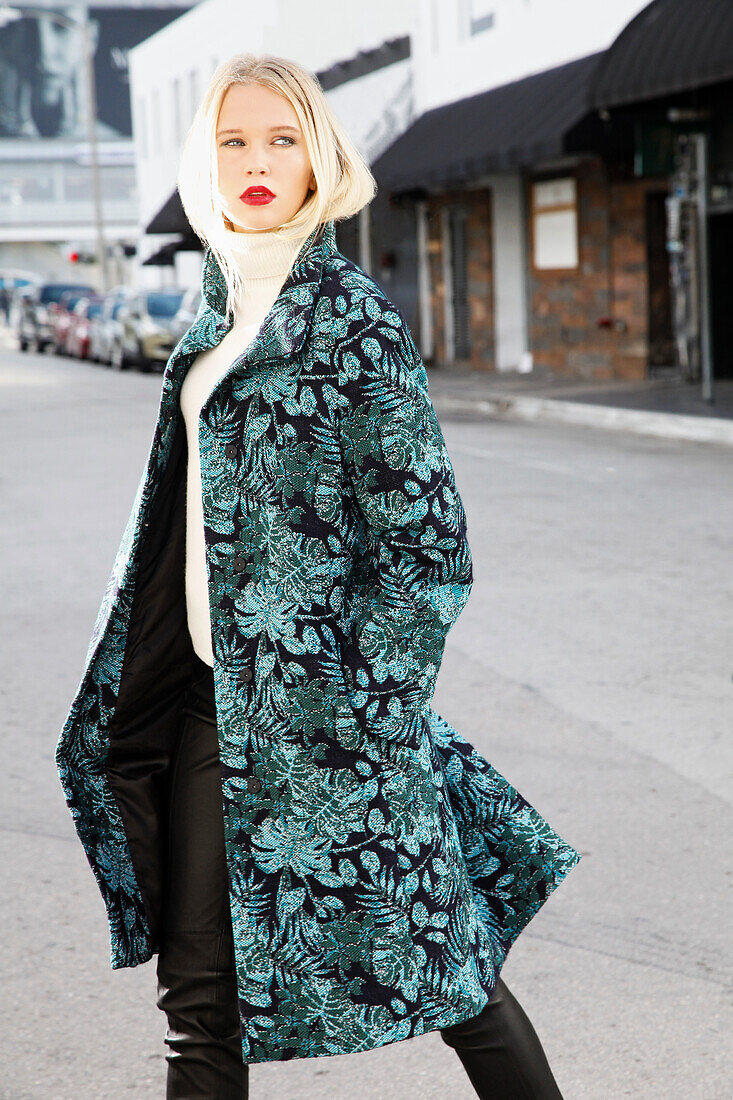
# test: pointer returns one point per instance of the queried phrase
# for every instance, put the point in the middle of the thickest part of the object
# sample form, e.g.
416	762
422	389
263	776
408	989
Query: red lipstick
257	195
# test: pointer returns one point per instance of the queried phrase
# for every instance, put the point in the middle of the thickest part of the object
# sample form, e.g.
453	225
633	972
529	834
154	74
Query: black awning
671	46
170	218
512	126
165	255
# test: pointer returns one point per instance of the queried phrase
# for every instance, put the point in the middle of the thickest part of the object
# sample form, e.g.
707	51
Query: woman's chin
260	220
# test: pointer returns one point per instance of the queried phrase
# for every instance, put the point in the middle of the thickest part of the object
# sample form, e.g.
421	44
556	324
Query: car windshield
53	291
94	309
164	303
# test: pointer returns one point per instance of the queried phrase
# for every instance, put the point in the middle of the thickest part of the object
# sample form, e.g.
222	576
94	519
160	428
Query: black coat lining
155	673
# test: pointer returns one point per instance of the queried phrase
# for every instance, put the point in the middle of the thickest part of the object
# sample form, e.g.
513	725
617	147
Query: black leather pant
197	988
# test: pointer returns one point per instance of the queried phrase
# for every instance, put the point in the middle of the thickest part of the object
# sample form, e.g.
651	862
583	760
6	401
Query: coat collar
284	329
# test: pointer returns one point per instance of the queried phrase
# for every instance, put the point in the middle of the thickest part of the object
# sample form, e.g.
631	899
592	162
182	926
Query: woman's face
260	145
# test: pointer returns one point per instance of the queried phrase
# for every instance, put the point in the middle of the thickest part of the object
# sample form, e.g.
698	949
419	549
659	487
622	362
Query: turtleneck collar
263	254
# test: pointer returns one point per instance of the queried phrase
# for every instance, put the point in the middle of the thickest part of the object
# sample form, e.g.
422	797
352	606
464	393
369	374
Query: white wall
376	108
509	259
527	37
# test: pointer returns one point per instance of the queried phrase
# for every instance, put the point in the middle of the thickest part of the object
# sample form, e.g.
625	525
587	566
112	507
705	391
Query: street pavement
592	666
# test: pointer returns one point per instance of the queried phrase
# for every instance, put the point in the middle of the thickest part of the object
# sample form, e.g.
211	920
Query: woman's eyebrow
272	129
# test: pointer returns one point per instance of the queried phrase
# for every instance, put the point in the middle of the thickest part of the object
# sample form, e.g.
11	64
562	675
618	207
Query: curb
695	429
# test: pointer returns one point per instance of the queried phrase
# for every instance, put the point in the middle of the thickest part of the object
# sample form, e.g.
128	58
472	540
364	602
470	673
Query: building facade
598	189
518	178
47	207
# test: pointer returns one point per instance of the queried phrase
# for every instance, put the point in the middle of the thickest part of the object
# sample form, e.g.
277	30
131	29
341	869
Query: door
721	292
661	337
458	261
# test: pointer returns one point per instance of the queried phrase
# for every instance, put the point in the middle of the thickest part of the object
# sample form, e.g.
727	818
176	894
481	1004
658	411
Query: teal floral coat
379	867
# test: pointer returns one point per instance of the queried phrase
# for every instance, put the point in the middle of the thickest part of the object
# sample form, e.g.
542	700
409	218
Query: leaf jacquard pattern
379	867
404	485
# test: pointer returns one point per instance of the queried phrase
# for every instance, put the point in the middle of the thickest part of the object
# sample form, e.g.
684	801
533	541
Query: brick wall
610	282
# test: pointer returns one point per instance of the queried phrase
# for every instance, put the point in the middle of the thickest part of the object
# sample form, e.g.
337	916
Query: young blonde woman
265	795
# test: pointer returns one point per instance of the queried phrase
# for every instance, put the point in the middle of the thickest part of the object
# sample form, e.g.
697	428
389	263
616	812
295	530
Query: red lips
257	195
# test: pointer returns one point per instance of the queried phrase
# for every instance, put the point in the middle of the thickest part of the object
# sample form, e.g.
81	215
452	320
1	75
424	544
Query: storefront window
554	216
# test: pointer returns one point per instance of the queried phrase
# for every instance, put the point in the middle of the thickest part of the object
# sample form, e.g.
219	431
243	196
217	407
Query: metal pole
91	113
365	242
706	344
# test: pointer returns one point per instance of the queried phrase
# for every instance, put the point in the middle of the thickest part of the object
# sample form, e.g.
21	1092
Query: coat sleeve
415	573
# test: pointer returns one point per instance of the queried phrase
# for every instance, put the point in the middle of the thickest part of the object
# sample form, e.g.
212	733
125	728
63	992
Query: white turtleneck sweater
264	262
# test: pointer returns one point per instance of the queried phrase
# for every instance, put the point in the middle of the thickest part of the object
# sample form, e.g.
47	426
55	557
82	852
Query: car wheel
117	357
23	344
143	363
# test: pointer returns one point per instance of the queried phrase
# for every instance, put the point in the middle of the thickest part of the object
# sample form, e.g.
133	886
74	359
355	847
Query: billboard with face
42	81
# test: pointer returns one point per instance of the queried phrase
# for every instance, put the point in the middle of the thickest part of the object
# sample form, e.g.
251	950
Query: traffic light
80	256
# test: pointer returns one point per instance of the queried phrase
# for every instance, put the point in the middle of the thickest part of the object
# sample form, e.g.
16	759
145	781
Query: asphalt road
592	666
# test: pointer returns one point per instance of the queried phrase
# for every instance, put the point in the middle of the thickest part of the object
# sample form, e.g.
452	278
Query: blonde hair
344	182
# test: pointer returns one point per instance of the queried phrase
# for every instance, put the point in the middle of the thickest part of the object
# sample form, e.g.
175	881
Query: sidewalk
663	408
660	407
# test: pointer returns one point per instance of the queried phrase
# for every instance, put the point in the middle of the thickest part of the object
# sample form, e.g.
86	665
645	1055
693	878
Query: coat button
231	450
254	784
246	675
239	563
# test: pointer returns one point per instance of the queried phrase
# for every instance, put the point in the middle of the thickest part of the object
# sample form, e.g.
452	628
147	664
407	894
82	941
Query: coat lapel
284	329
281	334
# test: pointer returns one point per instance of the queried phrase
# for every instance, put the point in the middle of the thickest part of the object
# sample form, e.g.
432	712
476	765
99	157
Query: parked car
60	314
11	279
106	329
80	323
146	332
34	325
186	313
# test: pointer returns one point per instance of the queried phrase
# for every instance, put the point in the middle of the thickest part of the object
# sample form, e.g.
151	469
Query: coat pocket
385	698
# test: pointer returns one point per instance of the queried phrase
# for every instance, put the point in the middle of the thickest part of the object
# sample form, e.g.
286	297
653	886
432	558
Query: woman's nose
256	166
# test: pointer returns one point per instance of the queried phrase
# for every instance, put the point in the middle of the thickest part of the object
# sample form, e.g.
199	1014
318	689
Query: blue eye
281	138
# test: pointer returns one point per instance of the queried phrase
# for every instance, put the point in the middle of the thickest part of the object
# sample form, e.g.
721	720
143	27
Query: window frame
553	208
